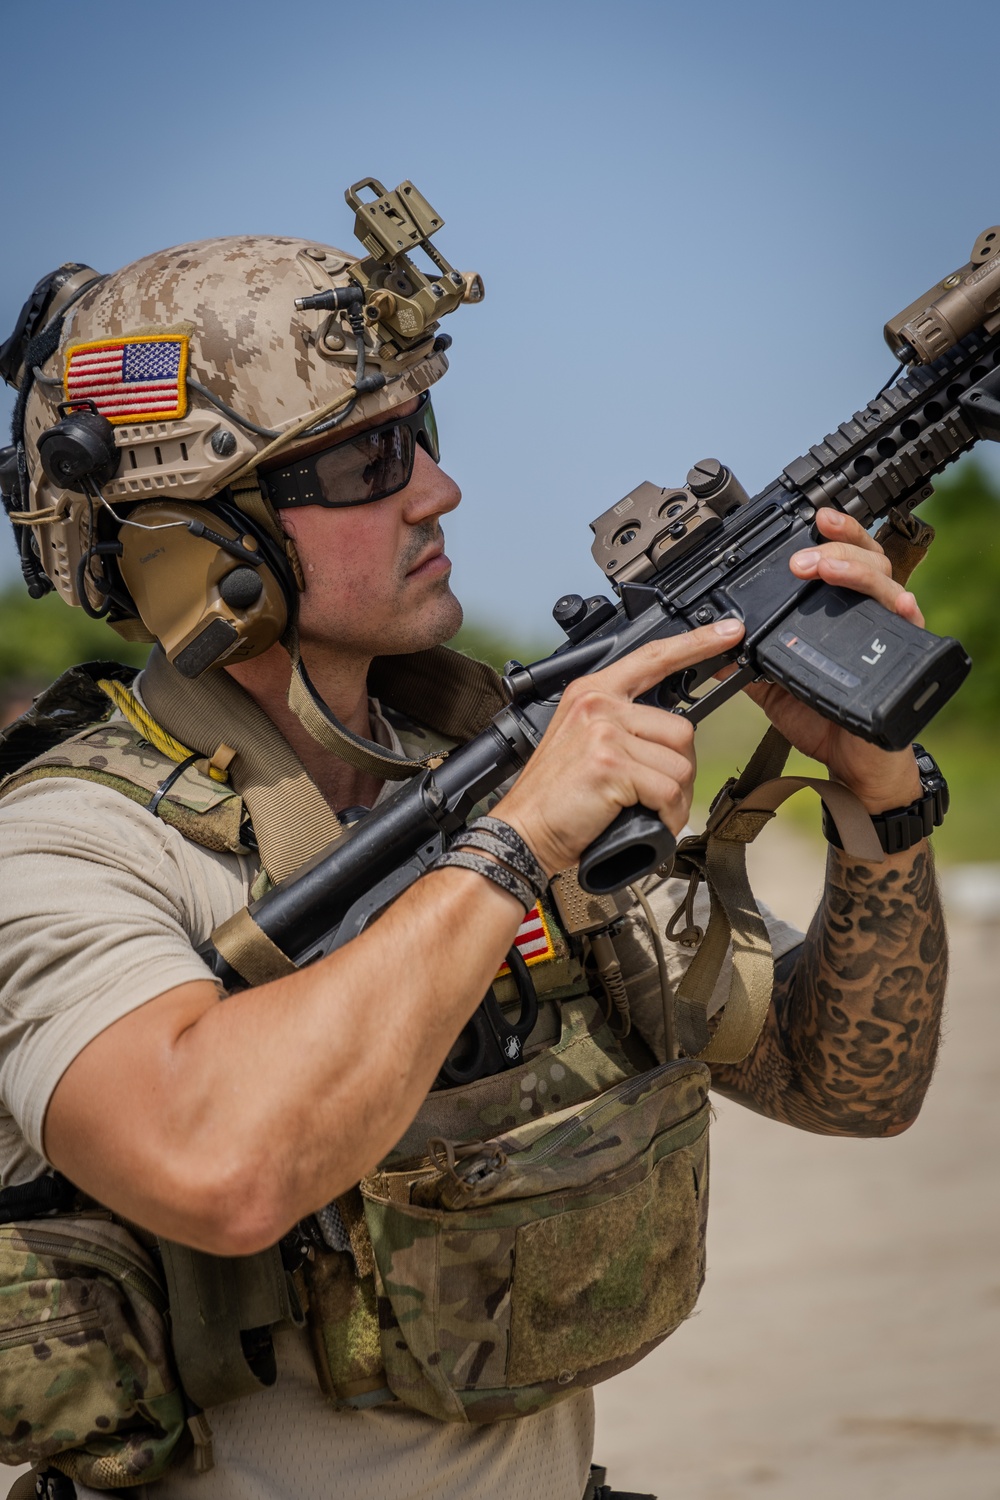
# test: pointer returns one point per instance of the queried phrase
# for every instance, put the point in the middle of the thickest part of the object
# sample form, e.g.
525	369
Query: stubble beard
438	619
444	621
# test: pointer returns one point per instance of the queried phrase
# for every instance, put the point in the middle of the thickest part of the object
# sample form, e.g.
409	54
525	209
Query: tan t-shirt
101	909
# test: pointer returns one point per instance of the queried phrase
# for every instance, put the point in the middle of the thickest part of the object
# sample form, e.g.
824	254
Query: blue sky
692	221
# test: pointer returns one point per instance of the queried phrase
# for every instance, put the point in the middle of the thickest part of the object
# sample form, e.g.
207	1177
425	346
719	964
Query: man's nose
430	492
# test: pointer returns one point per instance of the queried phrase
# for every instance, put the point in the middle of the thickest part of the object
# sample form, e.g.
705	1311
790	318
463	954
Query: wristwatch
902	827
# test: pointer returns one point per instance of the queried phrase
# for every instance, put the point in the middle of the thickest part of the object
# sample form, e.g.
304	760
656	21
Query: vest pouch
574	1058
86	1378
547	1259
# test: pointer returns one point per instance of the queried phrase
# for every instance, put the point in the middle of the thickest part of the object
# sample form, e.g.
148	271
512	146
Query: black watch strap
902	827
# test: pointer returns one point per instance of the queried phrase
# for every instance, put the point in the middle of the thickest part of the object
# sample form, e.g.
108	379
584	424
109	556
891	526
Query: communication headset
206	592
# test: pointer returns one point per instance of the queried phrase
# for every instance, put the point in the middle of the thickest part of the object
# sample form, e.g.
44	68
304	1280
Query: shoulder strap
291	818
454	695
73	734
116	755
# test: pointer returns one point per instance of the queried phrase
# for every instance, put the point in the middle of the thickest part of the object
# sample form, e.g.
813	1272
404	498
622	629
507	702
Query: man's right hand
603	751
244	1116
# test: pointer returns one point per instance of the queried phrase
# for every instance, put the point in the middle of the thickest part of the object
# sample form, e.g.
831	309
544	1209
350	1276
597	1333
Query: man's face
377	578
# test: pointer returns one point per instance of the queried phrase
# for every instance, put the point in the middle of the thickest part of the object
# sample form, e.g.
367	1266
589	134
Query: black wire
81	587
330	422
356	321
891	381
234	416
100	581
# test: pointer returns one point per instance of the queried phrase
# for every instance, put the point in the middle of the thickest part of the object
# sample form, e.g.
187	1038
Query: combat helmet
148	399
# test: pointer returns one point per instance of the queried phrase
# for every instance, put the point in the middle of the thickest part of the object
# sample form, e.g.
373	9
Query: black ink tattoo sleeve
849	1044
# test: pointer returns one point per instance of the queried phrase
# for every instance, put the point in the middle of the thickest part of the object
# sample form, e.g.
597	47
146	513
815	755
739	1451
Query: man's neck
342	683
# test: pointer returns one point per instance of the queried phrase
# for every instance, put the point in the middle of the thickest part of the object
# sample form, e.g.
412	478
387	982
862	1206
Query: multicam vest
532	1233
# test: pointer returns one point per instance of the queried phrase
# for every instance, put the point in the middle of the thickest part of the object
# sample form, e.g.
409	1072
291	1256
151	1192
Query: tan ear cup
205	603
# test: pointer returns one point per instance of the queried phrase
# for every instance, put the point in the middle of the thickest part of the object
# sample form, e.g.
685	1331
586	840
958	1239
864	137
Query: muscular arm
849	1044
221	1123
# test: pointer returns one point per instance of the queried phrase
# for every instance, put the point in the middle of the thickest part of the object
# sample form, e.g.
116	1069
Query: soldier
269	512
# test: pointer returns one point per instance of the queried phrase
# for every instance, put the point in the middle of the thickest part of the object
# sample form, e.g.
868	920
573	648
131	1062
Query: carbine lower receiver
681	558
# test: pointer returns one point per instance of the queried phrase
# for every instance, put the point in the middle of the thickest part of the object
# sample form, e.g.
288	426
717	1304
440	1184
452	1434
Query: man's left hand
852	559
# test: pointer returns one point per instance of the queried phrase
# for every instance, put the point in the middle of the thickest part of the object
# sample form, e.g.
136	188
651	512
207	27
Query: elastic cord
168	781
227	411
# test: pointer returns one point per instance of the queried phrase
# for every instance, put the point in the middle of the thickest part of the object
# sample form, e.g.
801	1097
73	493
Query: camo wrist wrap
495	837
499	875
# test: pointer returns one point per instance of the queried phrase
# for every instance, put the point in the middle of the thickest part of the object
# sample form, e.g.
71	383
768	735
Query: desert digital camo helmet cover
219	314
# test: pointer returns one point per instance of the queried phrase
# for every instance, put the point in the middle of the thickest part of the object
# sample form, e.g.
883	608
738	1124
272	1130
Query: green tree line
957	585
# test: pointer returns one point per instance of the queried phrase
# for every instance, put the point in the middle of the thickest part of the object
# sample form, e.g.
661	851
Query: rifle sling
904	538
451	693
249	951
718	855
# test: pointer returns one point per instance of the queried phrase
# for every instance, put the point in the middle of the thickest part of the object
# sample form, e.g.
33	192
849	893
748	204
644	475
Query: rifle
678	558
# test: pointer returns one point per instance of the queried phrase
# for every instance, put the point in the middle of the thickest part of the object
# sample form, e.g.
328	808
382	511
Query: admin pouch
496	1277
86	1374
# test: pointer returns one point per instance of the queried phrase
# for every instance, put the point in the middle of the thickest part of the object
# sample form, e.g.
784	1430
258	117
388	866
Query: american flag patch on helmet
140	378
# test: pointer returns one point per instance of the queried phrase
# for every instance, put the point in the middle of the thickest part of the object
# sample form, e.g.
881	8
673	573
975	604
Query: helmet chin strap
322	725
305	703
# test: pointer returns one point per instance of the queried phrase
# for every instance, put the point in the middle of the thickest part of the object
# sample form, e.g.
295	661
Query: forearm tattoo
849	1044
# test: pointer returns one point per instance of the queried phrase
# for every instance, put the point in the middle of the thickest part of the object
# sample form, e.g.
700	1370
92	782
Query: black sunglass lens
430	430
369	468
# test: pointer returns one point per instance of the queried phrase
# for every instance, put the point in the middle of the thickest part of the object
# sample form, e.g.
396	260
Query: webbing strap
291	818
904	539
248	949
734	917
720	854
451	693
248	498
745	805
128	704
739	813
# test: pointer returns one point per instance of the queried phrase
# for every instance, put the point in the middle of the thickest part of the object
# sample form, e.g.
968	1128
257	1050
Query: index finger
647	665
837	525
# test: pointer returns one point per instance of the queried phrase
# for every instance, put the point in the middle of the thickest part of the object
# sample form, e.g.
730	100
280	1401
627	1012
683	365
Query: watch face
926	764
934	785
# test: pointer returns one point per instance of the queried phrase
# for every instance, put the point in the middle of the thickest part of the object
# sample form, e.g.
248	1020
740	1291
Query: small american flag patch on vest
533	940
140	378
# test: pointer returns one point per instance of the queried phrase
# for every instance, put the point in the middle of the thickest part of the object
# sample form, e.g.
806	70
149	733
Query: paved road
847	1343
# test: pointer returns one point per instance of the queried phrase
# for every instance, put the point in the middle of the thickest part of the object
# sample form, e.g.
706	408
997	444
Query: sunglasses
361	469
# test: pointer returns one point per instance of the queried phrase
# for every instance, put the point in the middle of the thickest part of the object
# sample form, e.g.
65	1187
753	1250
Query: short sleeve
101	908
